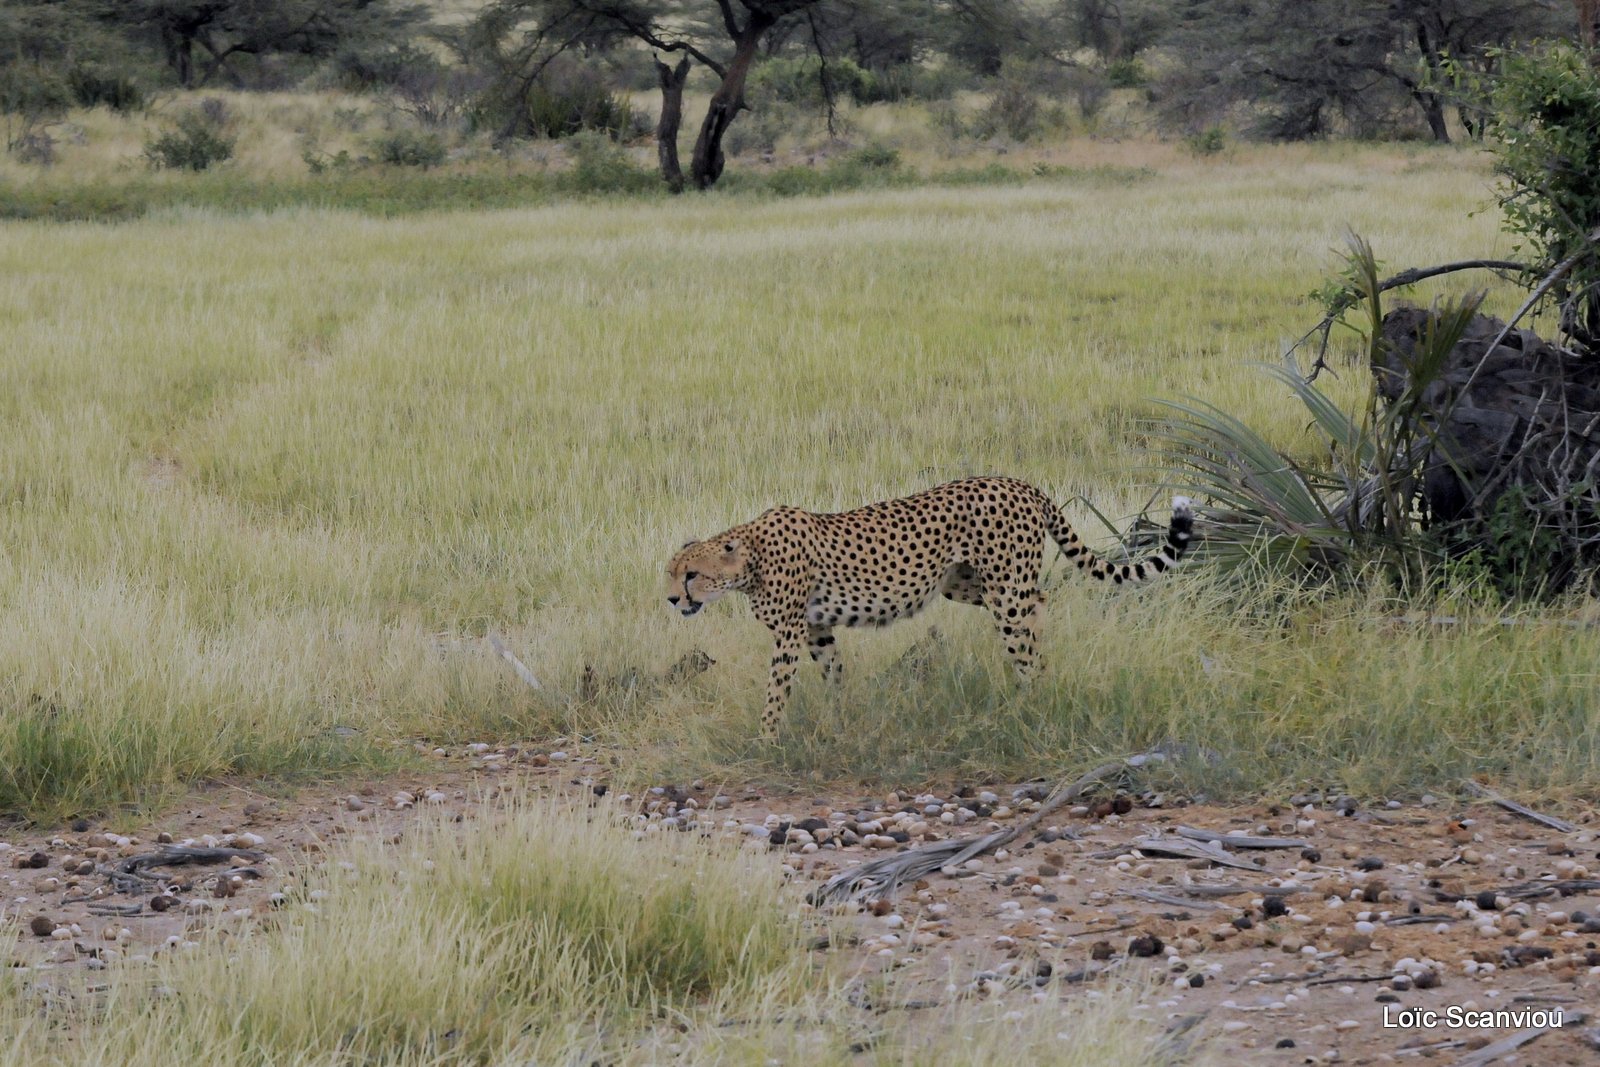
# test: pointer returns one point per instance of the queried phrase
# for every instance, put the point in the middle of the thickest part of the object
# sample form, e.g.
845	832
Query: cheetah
977	541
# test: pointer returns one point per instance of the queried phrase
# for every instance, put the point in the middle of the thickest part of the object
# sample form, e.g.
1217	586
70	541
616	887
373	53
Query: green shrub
410	148
875	156
564	110
1015	111
600	165
1207	142
1126	74
91	87
197	141
1544	119
36	147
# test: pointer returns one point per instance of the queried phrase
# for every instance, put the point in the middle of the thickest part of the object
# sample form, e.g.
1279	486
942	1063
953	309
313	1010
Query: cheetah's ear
686	544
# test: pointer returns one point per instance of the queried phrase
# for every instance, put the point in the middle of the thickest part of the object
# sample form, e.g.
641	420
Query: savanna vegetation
342	336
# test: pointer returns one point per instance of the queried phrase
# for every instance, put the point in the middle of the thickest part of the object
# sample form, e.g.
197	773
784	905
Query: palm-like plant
1361	503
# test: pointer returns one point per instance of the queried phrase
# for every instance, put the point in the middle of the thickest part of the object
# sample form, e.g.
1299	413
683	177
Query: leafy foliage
1544	117
196	141
411	148
1359	505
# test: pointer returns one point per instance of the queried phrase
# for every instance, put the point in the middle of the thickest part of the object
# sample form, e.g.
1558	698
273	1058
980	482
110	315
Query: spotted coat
976	541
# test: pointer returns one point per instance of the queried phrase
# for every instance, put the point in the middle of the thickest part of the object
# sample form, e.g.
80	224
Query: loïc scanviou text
1455	1017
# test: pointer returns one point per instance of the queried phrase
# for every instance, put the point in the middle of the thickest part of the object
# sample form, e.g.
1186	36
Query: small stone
41	926
1486	901
1284	1042
1274	906
160	902
1369	863
1311	855
1145	945
1101	950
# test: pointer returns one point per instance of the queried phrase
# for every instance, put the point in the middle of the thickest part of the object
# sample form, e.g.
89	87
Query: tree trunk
1431	43
1433	109
706	166
672	80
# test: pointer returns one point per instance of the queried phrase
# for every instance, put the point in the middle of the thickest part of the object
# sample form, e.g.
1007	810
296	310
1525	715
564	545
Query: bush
1015	111
1207	142
35	146
600	165
566	100
946	117
33	96
1544	119
197	141
875	157
1126	74
93	88
410	148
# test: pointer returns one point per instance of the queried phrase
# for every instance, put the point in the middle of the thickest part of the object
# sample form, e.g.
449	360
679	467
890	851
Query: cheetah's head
703	570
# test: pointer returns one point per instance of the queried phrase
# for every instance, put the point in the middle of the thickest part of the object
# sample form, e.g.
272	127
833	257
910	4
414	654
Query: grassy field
267	479
536	934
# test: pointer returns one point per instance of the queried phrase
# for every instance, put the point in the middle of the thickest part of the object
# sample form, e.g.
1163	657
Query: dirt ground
1293	955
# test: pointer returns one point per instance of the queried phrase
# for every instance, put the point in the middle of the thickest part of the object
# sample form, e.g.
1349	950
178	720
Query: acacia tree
1309	66
723	37
200	38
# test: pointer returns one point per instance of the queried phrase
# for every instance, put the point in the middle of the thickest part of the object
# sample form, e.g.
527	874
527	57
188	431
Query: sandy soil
1298	964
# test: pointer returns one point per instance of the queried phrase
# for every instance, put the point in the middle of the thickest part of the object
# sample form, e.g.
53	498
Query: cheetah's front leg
784	658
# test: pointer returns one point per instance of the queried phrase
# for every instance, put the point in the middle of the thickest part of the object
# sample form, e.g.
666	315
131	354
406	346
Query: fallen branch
1172	900
1279	979
517	665
1240	840
1218	891
129	875
1353	978
880	878
1506	1045
1193	850
1517	809
123	910
1564	887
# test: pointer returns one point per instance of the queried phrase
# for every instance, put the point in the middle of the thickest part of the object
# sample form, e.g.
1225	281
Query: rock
1355	944
1145	945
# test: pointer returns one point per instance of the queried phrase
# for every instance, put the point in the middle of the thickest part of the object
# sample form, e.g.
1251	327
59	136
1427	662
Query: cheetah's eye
691	576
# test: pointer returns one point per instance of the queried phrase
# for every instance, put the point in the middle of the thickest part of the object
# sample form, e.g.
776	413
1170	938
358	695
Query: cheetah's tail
1179	532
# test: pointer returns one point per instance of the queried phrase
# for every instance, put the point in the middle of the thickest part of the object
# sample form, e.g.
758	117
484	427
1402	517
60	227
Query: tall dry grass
265	480
540	933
